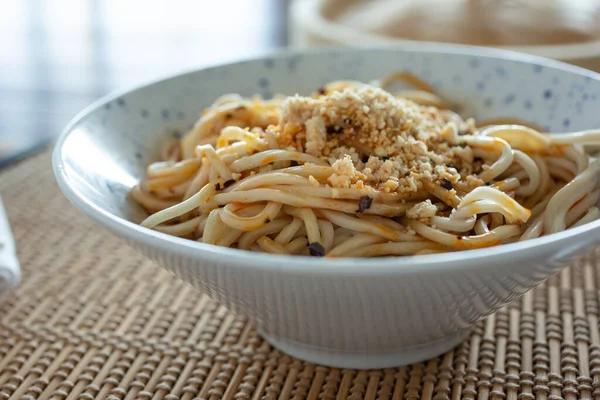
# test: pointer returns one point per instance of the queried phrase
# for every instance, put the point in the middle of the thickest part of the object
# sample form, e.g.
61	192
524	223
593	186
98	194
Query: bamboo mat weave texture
93	319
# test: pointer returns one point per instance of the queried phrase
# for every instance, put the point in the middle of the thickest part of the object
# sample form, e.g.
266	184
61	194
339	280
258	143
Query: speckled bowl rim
462	260
314	21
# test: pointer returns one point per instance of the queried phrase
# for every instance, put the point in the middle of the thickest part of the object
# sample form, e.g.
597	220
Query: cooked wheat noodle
234	181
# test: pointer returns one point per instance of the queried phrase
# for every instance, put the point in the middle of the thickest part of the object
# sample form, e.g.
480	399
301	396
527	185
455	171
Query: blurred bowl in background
311	24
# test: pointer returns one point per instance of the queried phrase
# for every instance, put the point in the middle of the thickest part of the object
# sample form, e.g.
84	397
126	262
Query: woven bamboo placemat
94	319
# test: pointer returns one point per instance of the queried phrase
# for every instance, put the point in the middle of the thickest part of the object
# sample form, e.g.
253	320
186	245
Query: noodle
356	170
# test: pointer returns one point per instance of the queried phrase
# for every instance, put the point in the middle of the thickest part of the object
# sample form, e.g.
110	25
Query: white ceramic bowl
361	313
310	27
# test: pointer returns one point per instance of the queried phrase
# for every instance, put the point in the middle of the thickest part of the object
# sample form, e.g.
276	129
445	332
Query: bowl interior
105	150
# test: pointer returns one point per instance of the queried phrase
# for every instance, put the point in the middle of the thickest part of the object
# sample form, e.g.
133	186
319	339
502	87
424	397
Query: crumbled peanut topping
372	138
422	211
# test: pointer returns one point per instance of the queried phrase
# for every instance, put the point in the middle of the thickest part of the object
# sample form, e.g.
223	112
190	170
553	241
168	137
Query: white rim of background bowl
310	17
306	264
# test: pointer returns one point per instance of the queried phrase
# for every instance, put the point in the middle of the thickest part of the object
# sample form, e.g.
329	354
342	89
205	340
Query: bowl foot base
362	360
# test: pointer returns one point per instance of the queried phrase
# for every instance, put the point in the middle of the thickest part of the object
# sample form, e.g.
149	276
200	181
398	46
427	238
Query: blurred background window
57	56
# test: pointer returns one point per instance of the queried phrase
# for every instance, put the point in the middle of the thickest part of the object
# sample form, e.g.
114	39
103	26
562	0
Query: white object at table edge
10	274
